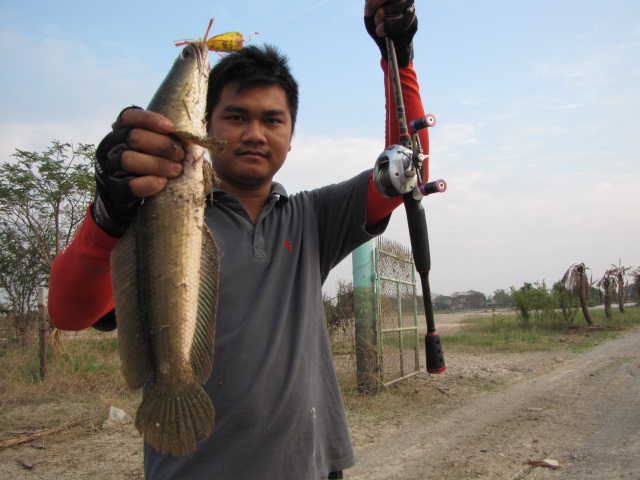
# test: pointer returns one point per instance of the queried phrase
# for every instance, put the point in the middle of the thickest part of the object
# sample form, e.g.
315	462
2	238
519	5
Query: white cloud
315	161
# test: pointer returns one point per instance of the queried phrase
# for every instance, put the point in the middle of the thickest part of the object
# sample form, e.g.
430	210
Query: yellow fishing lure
225	42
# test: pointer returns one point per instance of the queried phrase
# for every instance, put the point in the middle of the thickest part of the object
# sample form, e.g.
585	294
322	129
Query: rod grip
435	357
418	233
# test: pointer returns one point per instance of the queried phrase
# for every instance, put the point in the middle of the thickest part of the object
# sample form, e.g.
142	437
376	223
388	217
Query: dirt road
483	419
582	411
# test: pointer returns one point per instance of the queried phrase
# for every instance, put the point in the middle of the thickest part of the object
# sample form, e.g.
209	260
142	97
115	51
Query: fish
165	277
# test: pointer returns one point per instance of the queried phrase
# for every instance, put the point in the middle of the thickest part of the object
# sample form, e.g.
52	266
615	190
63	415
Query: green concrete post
367	375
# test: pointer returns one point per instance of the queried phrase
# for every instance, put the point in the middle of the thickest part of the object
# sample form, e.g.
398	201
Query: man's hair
250	67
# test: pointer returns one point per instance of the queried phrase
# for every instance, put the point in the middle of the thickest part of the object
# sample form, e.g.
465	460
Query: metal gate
396	312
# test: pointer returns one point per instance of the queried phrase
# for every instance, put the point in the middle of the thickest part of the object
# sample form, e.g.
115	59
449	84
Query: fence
398	347
396	312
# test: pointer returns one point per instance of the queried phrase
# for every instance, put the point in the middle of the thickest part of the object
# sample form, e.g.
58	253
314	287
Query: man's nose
254	132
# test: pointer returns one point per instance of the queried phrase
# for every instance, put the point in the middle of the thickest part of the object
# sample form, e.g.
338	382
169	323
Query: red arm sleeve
378	206
80	280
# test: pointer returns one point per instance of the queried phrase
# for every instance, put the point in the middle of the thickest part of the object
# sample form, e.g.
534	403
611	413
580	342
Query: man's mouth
256	153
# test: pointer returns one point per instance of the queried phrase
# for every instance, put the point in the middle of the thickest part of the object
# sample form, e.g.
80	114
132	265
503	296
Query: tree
43	197
620	273
21	272
636	282
441	302
608	284
338	311
575	280
469	300
502	298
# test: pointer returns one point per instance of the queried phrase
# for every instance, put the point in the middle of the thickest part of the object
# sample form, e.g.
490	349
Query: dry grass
83	377
82	381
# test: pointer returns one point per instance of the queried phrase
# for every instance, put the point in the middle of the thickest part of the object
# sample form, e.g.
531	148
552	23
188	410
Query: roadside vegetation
83	378
508	332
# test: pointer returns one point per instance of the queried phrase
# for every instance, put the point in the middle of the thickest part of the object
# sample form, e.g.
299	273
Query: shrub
533	302
567	304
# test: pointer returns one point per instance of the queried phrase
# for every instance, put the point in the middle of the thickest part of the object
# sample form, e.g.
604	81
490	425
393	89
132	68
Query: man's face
256	123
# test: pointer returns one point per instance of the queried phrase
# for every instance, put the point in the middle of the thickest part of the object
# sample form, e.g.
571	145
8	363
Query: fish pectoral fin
202	347
210	143
132	342
210	178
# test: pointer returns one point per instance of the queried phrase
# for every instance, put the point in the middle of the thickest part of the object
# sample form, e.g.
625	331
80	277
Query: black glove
400	25
106	323
114	205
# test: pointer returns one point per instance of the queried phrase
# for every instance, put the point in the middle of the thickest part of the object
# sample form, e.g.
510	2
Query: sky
537	107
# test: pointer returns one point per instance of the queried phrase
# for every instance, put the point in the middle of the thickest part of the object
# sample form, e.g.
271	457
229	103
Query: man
279	411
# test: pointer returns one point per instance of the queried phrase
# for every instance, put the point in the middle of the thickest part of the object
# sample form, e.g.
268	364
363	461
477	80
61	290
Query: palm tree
575	280
636	281
608	283
620	273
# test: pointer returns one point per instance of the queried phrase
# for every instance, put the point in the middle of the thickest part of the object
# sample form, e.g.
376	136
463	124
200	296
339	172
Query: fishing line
295	15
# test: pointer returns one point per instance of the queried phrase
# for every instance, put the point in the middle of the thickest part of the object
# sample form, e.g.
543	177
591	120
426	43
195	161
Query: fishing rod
398	170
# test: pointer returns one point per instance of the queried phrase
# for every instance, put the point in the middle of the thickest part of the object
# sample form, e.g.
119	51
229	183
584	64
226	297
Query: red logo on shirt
288	246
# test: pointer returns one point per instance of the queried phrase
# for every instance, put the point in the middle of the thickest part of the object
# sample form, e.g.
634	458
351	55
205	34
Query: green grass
507	333
90	357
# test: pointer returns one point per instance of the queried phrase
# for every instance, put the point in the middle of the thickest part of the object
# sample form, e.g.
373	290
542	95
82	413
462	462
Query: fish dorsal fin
202	348
132	342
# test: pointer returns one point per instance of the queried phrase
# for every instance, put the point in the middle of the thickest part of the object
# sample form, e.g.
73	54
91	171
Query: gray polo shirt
279	412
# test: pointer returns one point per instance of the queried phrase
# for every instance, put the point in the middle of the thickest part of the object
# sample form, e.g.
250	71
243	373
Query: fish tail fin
174	423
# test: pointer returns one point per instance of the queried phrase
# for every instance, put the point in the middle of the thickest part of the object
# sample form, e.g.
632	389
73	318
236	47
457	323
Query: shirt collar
277	191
